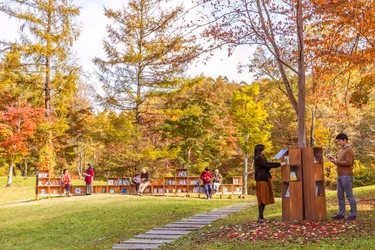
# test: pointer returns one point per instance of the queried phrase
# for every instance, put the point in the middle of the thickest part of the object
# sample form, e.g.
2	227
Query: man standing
344	163
206	177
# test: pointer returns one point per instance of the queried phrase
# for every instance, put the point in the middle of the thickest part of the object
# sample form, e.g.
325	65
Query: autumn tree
198	127
48	33
18	124
145	51
249	119
276	26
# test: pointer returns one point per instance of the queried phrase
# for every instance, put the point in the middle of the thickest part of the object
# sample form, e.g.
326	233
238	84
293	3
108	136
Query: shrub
363	175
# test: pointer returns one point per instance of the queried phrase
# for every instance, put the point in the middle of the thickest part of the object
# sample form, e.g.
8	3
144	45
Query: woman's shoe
261	220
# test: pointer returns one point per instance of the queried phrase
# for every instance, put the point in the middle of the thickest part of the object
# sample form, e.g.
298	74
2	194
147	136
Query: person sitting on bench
145	181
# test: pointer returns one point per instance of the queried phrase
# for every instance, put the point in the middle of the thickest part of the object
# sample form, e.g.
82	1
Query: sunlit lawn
237	231
103	220
86	222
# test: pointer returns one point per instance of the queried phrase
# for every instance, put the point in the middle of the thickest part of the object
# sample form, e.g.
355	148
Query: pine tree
145	50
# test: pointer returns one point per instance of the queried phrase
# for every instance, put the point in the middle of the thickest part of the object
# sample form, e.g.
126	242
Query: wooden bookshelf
179	184
313	184
78	189
292	202
46	185
119	185
100	189
237	184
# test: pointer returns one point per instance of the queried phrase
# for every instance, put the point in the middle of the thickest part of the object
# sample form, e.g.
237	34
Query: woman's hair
257	150
207	169
65	170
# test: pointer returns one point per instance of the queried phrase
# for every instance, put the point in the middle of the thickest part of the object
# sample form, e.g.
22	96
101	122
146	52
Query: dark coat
263	167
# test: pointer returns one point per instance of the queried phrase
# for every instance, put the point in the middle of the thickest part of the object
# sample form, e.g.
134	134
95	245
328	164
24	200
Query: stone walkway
156	237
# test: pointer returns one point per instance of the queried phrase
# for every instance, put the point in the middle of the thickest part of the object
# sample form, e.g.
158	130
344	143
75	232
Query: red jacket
89	175
206	177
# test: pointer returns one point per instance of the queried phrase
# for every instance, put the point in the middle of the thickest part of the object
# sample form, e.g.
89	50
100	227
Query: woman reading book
263	179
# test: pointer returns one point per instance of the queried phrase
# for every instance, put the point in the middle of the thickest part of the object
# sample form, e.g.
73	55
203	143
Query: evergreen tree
145	50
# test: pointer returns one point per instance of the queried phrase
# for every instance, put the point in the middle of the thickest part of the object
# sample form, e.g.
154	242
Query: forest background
140	110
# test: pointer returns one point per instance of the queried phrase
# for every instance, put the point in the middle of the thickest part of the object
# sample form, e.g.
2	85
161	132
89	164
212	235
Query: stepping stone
136	246
166	232
190	223
198	220
184	226
187	229
147	241
156	236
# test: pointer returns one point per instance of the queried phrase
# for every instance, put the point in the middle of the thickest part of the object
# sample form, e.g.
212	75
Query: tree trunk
312	139
10	175
244	188
25	170
301	79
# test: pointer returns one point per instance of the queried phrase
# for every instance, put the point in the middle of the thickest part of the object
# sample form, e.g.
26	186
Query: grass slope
240	231
86	222
103	220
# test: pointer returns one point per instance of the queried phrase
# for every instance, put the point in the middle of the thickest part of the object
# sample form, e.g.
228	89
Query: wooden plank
294	156
296	201
309	185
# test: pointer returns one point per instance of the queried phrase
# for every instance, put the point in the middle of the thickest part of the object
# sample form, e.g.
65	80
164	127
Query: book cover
287	194
293	176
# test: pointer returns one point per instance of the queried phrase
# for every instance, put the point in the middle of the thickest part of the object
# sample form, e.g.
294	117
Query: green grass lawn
103	220
98	221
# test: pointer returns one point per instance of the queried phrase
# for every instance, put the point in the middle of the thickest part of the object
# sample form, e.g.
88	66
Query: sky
89	44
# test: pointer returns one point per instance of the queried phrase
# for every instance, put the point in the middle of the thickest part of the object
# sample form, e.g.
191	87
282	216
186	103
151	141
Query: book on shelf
110	182
103	190
123	191
293	176
78	190
111	191
287	193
